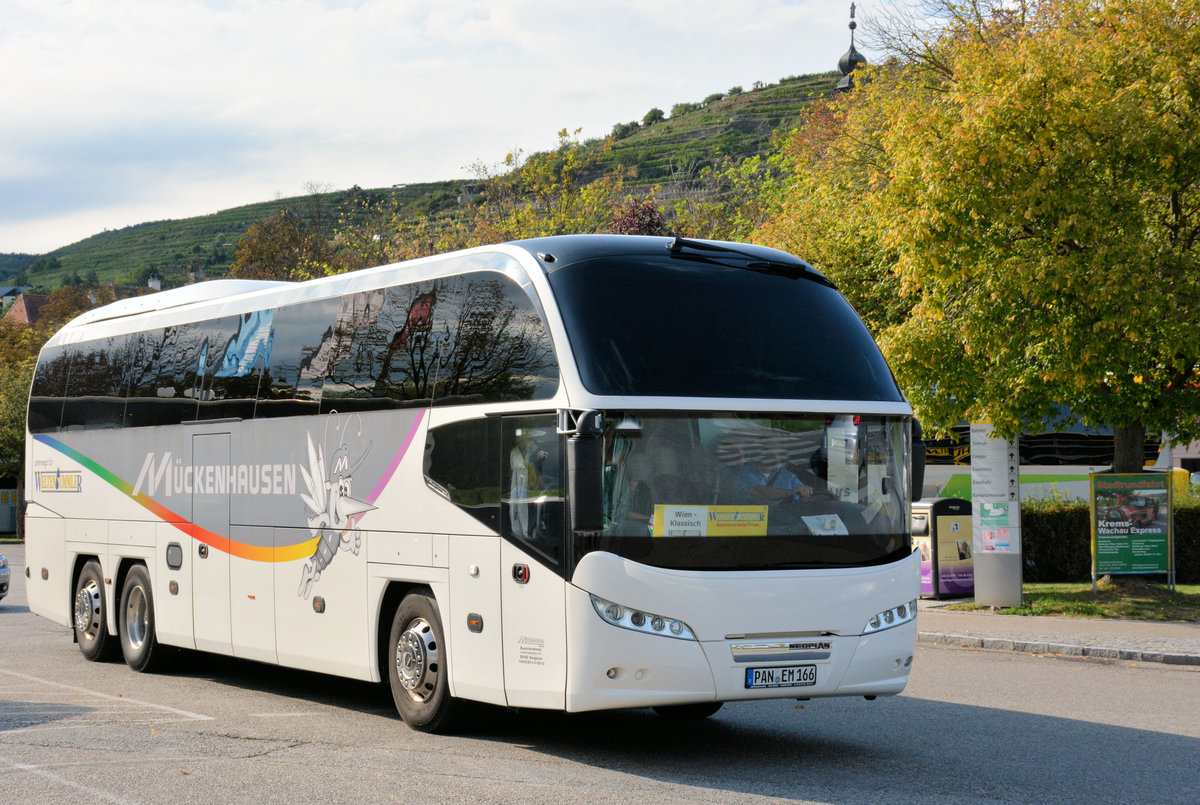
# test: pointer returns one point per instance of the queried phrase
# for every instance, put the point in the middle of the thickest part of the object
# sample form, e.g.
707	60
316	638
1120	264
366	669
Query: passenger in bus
768	478
729	487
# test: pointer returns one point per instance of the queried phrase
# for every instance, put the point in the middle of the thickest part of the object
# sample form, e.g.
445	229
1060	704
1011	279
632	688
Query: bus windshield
744	491
643	325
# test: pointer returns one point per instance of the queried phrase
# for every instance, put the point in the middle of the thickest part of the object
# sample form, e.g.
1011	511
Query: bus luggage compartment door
210	562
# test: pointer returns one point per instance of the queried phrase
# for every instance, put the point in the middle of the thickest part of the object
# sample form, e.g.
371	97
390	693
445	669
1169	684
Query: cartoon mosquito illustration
334	512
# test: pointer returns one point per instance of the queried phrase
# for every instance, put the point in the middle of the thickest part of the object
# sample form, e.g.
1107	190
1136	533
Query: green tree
653	116
19	347
282	247
14	398
827	213
550	193
622	130
731	200
1033	170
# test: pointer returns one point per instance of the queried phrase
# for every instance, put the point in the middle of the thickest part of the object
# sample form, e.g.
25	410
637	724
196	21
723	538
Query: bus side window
96	388
533	506
383	356
49	387
238	347
492	344
301	344
461	466
163	377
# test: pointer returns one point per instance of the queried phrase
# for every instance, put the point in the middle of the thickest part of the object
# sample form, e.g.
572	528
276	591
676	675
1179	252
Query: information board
1131	524
995	491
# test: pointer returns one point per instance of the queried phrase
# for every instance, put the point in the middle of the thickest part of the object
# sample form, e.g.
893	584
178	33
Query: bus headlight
889	618
638	620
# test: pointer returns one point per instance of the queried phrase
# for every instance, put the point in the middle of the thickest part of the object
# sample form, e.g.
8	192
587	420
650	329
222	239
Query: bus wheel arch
417	668
90	607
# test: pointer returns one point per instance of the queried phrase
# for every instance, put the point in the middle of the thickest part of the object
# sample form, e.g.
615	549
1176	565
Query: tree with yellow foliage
1029	175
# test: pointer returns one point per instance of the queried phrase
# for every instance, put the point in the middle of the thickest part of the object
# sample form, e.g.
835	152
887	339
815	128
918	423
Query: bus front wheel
417	670
91	614
135	623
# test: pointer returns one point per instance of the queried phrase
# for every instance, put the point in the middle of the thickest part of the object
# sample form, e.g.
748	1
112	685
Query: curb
1035	646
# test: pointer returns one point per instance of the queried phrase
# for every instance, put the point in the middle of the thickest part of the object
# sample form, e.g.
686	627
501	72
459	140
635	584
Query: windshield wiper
756	262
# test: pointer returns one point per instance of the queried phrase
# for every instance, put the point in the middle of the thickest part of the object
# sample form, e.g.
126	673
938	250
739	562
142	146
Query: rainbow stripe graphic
242	550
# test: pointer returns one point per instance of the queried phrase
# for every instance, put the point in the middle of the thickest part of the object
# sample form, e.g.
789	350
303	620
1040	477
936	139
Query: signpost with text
996	517
1132	525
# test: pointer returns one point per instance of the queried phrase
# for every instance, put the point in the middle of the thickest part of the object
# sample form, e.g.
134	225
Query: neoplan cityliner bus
573	473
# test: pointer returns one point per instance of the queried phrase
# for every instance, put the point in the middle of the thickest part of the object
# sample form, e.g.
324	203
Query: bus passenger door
210	543
533	594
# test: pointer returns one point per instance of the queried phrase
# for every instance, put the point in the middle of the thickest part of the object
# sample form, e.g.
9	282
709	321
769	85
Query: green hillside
735	125
204	244
728	124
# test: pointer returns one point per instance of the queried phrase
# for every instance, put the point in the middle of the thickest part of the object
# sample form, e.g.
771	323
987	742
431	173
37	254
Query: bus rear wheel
417	670
135	623
688	712
91	614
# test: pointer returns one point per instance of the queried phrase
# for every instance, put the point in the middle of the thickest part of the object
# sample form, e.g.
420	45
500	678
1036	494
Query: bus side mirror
585	472
918	461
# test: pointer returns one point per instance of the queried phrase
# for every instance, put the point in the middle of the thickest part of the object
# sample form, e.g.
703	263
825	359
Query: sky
118	112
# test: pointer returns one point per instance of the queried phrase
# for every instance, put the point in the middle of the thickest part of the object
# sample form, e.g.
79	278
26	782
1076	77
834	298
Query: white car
5	574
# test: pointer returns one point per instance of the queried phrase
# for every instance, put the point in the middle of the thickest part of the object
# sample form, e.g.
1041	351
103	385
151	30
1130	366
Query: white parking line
41	772
122	700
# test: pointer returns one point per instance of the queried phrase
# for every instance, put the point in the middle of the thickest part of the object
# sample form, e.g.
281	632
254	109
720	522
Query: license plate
786	676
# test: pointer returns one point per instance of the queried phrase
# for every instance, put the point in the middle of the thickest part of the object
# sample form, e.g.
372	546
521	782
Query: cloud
143	107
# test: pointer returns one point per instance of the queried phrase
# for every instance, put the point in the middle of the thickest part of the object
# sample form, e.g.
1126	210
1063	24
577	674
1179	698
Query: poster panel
1131	523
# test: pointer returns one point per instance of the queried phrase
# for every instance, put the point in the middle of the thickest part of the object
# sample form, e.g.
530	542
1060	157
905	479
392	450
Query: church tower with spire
850	60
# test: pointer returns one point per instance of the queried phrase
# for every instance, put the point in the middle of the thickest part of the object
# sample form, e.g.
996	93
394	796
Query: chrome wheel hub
136	618
417	660
87	609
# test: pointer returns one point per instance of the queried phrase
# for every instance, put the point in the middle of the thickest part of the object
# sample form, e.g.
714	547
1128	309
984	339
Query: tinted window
380	351
96	388
693	328
299	357
463	466
46	394
492	343
238	349
166	370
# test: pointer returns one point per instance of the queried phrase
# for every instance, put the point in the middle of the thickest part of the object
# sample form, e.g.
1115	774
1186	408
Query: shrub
1056	540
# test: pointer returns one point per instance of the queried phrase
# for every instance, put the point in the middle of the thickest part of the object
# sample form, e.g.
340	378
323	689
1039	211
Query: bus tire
91	614
688	712
417	670
135	623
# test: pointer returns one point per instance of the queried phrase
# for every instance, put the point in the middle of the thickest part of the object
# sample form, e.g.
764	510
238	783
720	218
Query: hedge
1056	541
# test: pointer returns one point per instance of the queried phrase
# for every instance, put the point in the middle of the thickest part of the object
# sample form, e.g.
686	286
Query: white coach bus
573	473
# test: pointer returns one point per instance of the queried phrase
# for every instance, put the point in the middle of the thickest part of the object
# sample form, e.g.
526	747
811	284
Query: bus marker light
638	621
896	616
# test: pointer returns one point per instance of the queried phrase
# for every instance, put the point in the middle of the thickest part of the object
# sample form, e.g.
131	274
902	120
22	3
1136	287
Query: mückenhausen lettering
164	477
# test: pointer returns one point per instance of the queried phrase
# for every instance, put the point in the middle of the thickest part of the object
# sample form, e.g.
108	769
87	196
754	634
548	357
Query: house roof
27	309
